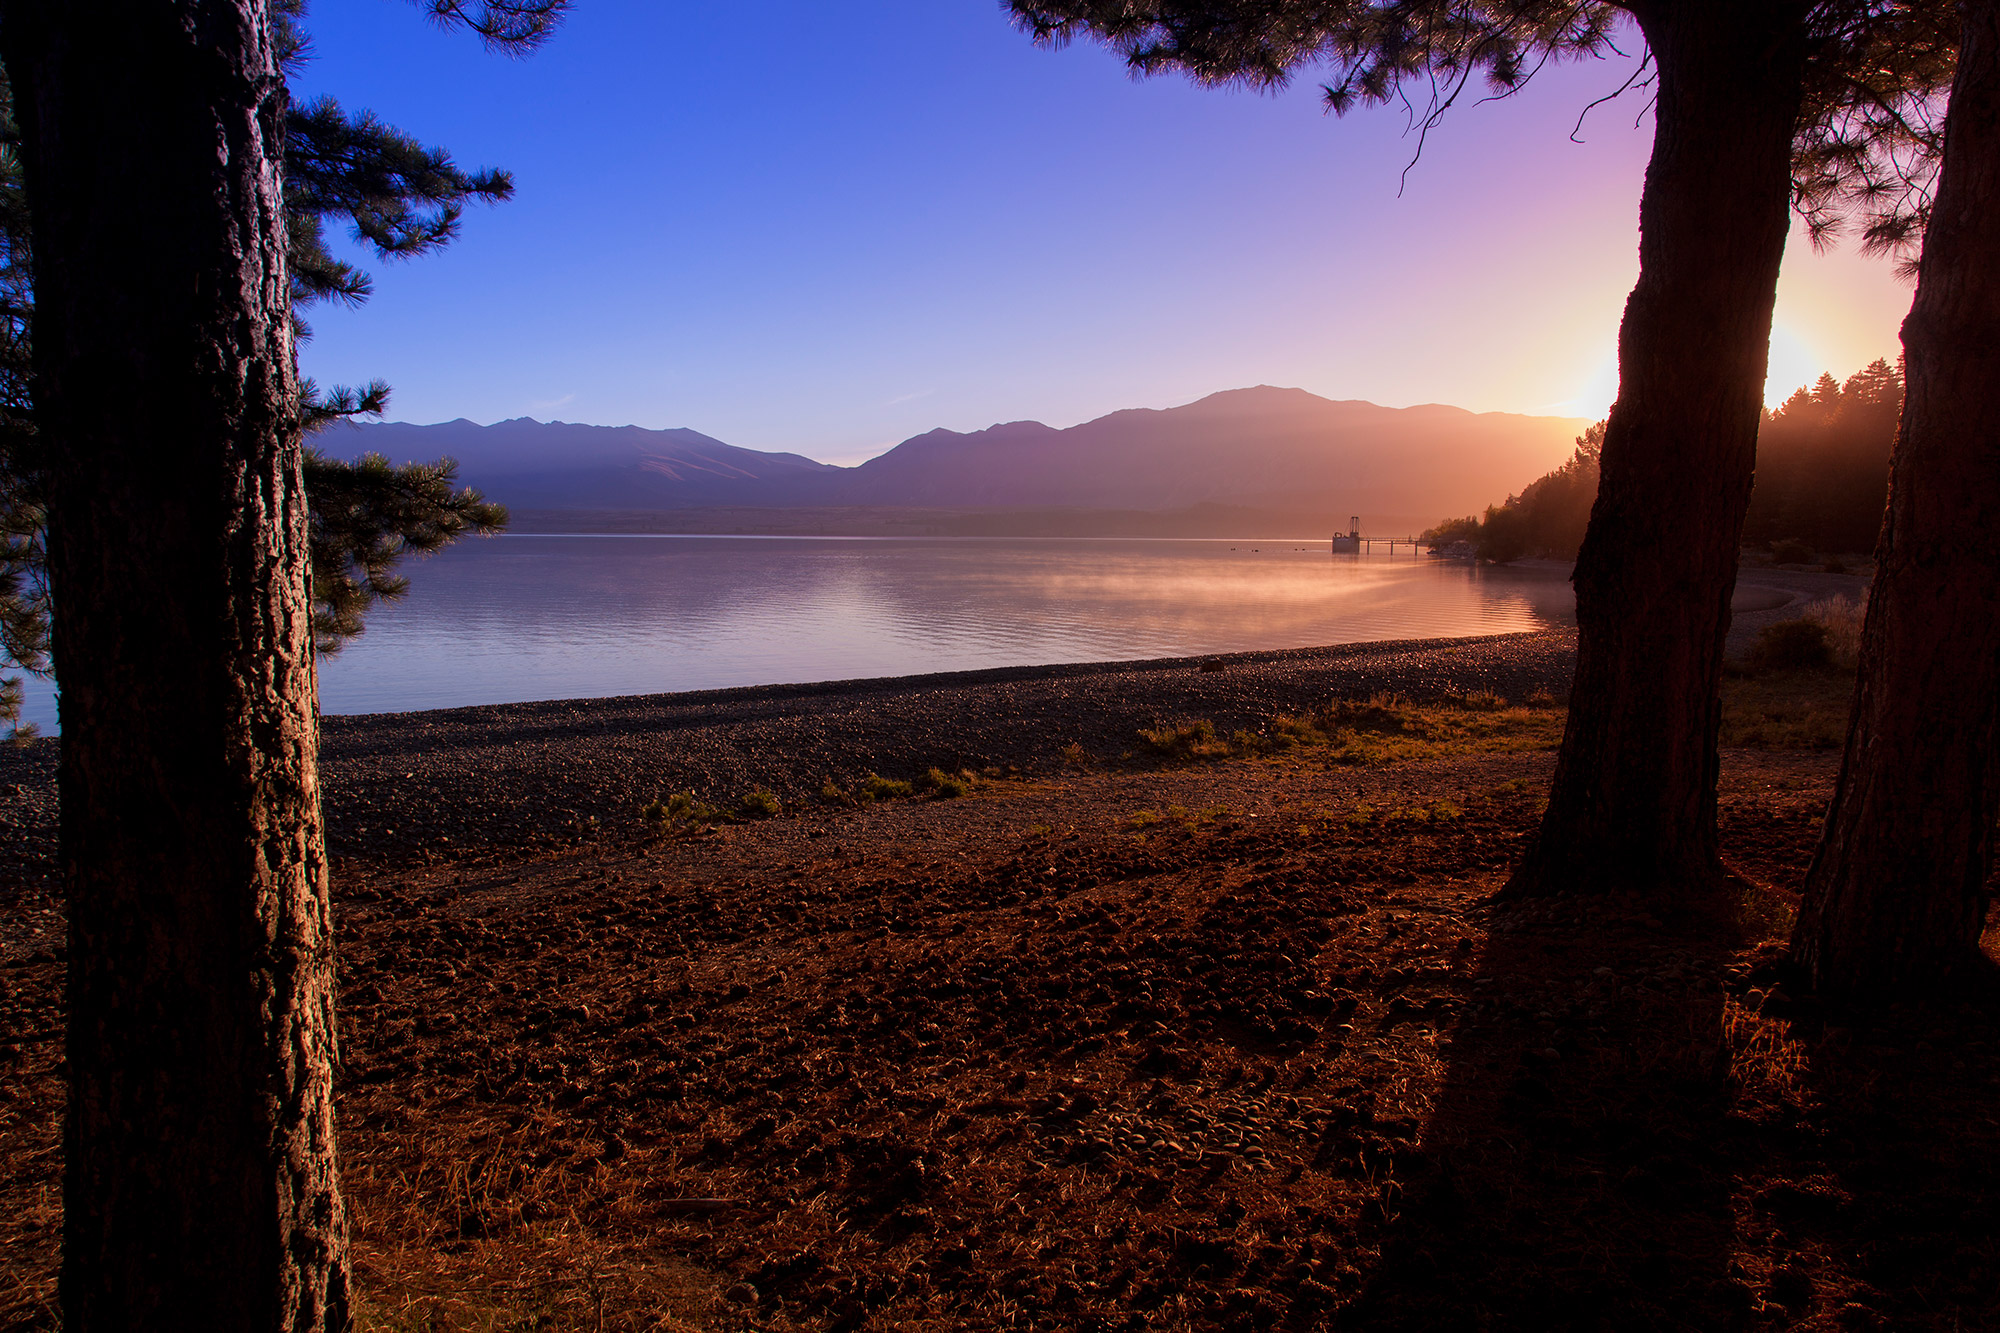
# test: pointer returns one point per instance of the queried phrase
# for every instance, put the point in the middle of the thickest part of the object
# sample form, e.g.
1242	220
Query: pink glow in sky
826	228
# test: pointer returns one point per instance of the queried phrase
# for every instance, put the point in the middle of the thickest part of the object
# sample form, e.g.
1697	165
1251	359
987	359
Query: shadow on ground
1639	1129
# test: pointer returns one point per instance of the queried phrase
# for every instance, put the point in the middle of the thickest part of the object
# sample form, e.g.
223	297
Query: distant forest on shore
1822	479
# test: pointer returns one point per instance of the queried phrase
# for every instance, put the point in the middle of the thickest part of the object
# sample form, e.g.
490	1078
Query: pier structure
1352	542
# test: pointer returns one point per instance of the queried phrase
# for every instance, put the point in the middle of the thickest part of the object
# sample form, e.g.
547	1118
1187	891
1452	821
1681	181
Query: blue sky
827	227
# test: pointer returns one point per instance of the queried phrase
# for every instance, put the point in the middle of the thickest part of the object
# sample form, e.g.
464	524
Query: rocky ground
1182	1032
414	785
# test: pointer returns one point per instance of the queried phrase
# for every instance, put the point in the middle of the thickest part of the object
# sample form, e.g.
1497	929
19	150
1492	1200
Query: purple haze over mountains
1263	448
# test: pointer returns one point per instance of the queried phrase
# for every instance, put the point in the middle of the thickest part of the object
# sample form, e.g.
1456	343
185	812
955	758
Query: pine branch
366	517
512	27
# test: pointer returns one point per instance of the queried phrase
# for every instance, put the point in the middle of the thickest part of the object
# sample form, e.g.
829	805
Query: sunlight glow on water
554	617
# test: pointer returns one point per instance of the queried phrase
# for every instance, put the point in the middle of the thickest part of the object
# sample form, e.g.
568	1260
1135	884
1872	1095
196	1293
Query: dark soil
1231	1045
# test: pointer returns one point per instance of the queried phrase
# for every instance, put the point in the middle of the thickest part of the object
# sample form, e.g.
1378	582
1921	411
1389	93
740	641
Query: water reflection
565	617
527	617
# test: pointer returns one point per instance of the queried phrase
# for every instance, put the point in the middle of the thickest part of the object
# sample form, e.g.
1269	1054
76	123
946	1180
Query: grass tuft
875	787
1792	645
1841	618
1184	740
681	810
1787	710
1381	729
947	786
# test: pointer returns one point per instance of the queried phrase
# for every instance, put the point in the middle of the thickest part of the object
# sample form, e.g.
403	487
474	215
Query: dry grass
1787	710
1841	618
490	1229
846	1083
1374	732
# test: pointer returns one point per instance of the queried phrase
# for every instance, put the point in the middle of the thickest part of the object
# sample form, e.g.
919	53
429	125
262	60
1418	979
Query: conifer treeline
1822	476
1823	463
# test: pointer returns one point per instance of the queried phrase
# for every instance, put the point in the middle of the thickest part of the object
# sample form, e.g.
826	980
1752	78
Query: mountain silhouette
560	465
1262	448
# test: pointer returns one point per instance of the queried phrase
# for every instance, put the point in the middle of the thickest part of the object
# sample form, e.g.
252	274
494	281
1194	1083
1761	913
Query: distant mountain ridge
562	465
1262	448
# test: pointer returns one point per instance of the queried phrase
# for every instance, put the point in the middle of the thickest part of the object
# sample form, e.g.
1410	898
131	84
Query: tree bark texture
1896	897
200	1189
1633	802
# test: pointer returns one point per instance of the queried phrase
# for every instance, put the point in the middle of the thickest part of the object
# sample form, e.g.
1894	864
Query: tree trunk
1633	804
1897	892
199	1189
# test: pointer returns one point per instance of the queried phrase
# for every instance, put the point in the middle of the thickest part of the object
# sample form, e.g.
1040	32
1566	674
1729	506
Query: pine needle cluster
366	516
399	198
1869	136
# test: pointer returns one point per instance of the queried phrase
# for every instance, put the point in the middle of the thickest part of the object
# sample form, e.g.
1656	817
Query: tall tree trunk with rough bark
1633	804
1896	897
200	1189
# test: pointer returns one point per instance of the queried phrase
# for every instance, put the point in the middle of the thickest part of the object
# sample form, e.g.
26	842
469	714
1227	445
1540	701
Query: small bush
1183	740
1297	730
875	787
1076	756
1791	551
1841	618
946	786
1378	712
680	808
1791	645
1792	710
1275	741
832	793
758	804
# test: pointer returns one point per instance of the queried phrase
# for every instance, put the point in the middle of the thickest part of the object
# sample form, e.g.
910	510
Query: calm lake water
553	617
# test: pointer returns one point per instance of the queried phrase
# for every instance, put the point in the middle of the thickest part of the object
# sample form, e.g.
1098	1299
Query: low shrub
1378	712
1792	645
946	786
1791	551
1786	710
680	808
875	787
1275	741
1184	740
758	804
1841	618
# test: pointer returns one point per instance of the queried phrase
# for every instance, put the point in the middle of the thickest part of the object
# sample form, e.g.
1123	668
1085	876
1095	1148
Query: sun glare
1794	362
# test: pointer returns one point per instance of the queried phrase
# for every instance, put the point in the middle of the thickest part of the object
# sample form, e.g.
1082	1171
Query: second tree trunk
1896	896
1633	803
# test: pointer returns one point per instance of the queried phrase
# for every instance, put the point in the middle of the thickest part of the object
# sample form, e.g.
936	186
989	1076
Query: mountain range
1258	456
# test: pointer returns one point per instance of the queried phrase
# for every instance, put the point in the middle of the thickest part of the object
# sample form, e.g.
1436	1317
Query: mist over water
550	617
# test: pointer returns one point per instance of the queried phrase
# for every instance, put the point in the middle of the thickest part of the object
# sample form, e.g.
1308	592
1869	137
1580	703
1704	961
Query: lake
522	617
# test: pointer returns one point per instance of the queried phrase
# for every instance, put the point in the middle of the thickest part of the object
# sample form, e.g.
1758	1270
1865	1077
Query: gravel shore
523	773
533	773
530	773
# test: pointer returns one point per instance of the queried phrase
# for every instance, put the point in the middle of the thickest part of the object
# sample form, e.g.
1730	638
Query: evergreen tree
200	1188
1758	104
1822	475
1823	463
1897	895
366	516
402	199
1547	519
